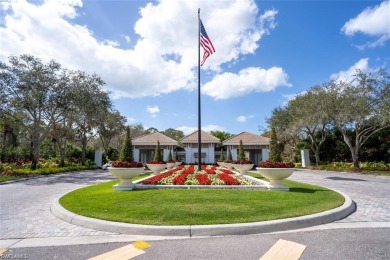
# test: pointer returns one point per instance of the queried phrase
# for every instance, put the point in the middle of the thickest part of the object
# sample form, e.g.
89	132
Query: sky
147	52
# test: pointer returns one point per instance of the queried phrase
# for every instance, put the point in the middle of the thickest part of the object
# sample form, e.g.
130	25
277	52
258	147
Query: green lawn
4	178
199	207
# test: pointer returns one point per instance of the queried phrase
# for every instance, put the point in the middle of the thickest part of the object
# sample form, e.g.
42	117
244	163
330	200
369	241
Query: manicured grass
199	207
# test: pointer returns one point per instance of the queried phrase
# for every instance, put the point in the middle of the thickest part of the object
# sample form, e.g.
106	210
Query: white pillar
99	158
305	157
264	154
136	155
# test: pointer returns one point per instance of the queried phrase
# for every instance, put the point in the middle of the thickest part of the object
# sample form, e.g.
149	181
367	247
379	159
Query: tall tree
275	147
111	124
91	103
174	134
126	153
241	153
33	88
308	113
361	106
222	136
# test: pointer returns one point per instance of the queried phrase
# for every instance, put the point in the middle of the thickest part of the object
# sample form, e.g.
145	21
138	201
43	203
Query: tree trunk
35	157
354	151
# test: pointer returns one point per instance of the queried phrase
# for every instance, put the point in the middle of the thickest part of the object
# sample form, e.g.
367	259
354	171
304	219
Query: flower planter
220	164
275	176
178	163
156	168
229	166
171	165
242	168
125	175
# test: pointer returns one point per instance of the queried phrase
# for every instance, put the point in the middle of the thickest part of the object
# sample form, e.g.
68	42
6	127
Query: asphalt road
357	243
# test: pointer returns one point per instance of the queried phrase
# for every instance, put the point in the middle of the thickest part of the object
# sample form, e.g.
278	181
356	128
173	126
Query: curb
208	230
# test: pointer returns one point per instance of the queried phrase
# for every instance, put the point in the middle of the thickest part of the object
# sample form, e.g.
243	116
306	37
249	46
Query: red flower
203	179
179	179
122	164
226	171
157	162
156	179
243	162
228	179
269	164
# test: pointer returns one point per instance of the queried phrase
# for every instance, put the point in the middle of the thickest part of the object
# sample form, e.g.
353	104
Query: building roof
247	139
151	139
205	138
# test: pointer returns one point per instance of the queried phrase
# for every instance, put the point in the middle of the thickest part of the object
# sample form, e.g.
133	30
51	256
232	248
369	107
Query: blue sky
146	52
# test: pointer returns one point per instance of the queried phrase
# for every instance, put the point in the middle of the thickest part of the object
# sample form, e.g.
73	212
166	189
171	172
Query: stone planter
156	168
171	165
125	175
243	168
229	166
275	176
178	163
220	164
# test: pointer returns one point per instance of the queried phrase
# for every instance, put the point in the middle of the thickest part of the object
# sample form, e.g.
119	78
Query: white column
265	154
305	157
136	155
99	158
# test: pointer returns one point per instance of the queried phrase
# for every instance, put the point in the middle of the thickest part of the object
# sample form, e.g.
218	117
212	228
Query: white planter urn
178	163
171	165
229	166
242	168
125	175
156	168
275	176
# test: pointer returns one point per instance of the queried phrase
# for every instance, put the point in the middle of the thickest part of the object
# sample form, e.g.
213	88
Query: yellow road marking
141	245
122	253
284	250
2	251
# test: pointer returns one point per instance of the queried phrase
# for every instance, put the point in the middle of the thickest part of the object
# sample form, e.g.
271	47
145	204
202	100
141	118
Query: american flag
206	43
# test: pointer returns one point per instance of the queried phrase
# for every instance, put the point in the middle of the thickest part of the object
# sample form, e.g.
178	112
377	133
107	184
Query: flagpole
199	110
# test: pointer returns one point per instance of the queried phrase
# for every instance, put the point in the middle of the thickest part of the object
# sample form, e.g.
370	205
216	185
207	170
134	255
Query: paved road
370	193
25	206
25	214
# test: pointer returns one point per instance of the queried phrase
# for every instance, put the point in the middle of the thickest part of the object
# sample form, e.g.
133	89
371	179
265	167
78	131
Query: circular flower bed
188	175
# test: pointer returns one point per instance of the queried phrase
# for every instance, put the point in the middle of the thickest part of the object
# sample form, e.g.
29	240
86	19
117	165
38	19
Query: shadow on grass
305	190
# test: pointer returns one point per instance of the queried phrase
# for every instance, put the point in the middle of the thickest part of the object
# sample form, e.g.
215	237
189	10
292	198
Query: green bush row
43	171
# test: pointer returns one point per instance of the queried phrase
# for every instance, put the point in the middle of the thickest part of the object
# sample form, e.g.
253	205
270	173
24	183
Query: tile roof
151	139
247	139
205	138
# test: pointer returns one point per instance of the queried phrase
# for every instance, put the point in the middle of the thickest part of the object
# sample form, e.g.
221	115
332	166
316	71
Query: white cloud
373	21
130	119
347	75
153	110
243	119
229	85
46	30
208	128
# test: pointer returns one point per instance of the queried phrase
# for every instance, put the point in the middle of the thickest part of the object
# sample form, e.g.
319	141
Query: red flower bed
157	162
228	179
269	164
226	171
123	164
180	179
203	179
156	179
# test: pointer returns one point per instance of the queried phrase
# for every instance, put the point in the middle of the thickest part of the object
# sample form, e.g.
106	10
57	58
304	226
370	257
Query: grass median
199	207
